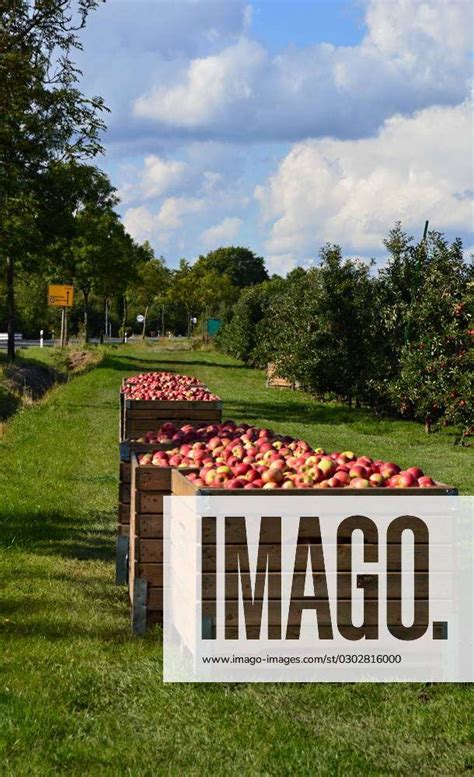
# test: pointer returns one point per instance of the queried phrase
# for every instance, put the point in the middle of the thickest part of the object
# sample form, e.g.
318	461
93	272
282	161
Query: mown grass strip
80	696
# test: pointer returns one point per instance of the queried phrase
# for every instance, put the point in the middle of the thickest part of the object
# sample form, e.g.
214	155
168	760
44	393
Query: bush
239	337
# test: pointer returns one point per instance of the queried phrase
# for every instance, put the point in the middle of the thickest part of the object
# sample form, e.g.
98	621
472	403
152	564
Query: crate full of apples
151	398
231	458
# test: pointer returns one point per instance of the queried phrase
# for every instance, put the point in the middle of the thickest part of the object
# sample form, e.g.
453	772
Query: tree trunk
144	323
86	316
124	318
11	308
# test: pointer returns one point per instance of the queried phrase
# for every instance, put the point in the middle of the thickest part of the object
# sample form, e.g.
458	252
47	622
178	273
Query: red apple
343	477
416	472
426	482
389	469
359	483
376	479
358	471
406	480
303	481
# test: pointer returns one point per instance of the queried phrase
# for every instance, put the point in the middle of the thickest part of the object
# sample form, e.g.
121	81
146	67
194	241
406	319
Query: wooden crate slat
125	472
183	487
151	571
124	492
235	584
149	526
150	551
154	618
150	501
344	556
324	618
170	404
152	478
138	427
155	599
268	534
124	514
136	414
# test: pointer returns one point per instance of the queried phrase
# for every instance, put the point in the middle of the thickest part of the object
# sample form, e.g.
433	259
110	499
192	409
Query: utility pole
63	326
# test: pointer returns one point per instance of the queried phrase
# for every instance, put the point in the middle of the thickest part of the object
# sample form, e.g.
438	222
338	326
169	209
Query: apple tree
239	336
319	328
435	381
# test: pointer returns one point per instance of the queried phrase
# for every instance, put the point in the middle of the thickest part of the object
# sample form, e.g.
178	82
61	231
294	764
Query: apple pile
235	456
166	386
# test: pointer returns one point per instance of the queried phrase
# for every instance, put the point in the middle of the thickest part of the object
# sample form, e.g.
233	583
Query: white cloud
156	177
160	175
171	213
221	233
145	224
140	222
414	55
352	192
212	84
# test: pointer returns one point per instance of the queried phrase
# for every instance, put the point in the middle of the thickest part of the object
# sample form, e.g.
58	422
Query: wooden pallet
275	381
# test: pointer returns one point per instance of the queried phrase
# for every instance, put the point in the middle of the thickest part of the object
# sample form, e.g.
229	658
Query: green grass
80	696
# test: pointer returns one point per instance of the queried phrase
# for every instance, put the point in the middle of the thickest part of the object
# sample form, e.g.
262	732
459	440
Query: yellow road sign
60	296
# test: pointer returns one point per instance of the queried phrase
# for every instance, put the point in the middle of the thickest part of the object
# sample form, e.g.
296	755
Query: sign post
61	296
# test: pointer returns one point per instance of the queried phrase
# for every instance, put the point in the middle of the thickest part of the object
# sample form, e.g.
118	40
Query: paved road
49	343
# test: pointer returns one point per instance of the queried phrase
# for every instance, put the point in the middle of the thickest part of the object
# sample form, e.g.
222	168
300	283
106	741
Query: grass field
80	696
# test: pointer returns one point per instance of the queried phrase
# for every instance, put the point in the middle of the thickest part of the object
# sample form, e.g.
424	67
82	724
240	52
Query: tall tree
104	256
241	265
151	283
44	119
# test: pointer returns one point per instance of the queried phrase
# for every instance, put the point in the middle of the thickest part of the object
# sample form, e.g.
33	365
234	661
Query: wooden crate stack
136	417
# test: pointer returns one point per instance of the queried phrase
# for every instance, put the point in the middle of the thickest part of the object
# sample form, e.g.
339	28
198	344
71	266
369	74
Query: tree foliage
44	120
240	265
399	340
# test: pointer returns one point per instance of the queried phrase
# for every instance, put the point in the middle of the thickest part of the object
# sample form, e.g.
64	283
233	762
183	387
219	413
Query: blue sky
282	125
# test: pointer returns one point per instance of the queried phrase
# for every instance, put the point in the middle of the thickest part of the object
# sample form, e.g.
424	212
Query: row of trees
398	340
116	280
58	219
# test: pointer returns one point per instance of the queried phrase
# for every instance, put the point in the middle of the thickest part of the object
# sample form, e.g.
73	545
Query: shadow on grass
52	533
289	410
126	363
48	599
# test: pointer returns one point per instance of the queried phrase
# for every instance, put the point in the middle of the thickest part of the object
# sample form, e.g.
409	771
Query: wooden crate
275	381
149	486
126	450
138	416
183	487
